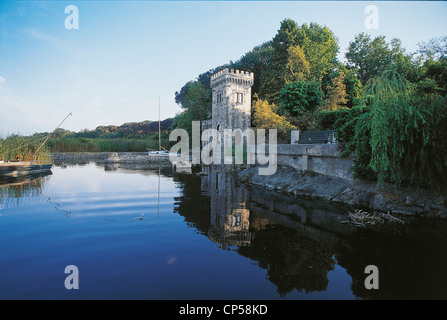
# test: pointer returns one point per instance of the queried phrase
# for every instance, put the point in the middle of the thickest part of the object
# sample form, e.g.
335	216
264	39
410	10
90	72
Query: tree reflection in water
25	188
300	241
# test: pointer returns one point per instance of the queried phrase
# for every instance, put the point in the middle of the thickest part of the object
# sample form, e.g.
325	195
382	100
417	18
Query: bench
317	137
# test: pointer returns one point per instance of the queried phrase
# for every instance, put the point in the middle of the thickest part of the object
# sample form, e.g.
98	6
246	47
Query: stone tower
231	99
231	103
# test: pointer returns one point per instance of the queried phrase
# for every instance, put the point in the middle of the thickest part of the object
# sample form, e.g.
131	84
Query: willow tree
406	133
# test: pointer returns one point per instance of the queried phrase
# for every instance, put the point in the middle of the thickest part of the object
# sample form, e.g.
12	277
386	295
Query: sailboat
178	166
160	152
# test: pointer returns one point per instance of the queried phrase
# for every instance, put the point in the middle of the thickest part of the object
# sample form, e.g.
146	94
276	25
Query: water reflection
300	245
299	242
16	190
289	239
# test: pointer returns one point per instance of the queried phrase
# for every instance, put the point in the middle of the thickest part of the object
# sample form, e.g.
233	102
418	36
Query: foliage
345	122
336	97
435	49
300	96
265	117
258	60
371	57
132	136
297	66
25	147
320	47
318	43
197	103
203	78
401	139
436	73
296	53
354	87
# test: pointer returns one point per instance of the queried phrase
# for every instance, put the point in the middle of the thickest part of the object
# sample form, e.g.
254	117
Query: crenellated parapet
232	77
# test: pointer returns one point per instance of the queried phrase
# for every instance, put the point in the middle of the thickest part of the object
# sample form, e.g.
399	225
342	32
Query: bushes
398	136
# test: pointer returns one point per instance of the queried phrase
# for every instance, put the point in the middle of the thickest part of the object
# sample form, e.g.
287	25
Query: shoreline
108	157
361	194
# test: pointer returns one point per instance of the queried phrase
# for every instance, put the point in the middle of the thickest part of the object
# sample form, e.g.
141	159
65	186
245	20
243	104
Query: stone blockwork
231	102
231	99
107	157
319	158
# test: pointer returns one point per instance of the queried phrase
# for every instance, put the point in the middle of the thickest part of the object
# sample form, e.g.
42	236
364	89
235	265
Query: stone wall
319	158
107	157
79	156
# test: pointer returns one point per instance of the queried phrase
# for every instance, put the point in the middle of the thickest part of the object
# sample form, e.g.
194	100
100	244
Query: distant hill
136	128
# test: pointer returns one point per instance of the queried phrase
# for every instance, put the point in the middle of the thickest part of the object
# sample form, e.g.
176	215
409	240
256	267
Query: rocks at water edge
359	193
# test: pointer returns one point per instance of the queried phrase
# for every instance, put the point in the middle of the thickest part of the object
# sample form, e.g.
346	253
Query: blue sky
126	54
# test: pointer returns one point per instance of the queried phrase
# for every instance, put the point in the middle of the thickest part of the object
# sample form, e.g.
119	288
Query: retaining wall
107	157
319	158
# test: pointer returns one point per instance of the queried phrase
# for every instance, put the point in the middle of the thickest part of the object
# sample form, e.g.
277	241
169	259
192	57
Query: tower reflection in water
285	238
303	244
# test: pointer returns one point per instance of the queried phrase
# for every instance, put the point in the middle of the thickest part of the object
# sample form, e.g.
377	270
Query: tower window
238	97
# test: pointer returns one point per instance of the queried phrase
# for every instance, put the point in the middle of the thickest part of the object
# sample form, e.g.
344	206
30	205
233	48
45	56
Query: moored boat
18	169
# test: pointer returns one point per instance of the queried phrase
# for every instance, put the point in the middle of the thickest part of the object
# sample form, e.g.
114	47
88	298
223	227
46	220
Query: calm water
199	238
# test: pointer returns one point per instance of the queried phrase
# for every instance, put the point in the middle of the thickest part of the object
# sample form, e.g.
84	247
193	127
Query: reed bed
24	147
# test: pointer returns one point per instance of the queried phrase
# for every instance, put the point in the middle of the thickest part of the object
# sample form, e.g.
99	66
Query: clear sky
126	54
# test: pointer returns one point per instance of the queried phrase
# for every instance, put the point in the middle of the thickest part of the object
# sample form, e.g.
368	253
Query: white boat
182	166
159	153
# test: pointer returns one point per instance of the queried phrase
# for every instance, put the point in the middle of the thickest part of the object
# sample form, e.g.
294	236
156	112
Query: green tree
372	57
354	87
319	50
402	137
265	117
256	60
320	47
434	49
336	97
297	66
299	96
198	105
437	72
368	56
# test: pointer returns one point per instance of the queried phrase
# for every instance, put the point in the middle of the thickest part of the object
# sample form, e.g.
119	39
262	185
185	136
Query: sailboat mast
159	130
48	137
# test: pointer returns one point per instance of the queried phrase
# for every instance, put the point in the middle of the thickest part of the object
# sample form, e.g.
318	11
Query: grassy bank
101	145
25	147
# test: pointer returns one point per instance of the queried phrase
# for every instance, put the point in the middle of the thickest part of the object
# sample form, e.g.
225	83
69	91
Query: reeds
24	147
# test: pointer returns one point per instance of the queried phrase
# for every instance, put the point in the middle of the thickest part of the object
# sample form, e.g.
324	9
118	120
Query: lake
141	232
